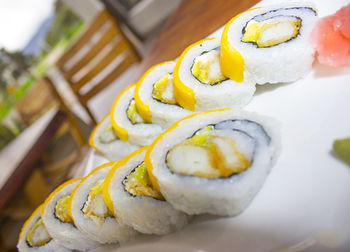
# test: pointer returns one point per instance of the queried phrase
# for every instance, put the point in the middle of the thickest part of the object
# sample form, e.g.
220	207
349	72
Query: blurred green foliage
25	70
64	25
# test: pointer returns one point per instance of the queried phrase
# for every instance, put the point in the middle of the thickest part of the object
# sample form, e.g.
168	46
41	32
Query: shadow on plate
261	89
212	233
321	71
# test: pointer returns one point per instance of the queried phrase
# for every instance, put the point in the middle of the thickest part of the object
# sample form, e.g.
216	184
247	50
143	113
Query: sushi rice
104	140
213	162
91	214
128	190
127	122
154	96
59	223
35	238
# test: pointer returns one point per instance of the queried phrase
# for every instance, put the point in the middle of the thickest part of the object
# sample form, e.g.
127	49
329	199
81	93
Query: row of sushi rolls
179	142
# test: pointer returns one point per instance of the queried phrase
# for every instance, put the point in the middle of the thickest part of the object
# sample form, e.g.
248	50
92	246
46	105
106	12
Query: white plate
304	204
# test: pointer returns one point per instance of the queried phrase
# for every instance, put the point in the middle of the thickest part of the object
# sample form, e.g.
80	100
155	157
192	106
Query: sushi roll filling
95	207
212	153
133	114
274	27
271	31
163	90
38	235
206	67
61	210
108	135
138	183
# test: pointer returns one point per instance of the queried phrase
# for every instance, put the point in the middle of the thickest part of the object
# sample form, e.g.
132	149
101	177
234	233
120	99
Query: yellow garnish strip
183	94
231	61
119	130
148	160
72	195
110	175
32	216
142	107
93	133
58	189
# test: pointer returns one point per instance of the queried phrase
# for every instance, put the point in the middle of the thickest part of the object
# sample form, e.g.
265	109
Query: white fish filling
212	154
280	31
272	31
194	160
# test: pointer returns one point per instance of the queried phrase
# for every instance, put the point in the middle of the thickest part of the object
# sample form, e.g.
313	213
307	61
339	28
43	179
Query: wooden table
19	157
192	21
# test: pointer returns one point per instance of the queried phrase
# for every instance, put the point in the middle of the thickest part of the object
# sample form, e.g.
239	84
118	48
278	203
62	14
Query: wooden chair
71	123
32	178
97	58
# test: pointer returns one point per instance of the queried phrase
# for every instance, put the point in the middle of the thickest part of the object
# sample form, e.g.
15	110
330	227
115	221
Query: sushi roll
58	221
269	44
106	142
199	83
154	96
129	192
213	162
90	212
34	236
127	122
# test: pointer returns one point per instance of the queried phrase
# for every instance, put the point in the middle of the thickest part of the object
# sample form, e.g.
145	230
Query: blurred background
36	33
44	126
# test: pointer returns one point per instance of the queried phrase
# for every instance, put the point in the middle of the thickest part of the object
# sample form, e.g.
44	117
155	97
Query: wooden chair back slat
95	25
106	81
106	38
76	133
107	59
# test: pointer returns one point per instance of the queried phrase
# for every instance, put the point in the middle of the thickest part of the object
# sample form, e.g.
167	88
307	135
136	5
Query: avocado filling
61	210
209	154
163	89
206	68
95	207
272	31
138	183
108	135
38	235
133	114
